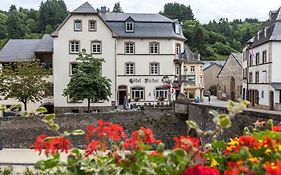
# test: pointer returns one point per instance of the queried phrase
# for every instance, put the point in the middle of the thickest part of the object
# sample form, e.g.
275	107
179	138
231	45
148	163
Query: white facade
62	58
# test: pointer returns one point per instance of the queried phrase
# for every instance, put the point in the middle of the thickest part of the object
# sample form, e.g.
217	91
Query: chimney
103	10
198	56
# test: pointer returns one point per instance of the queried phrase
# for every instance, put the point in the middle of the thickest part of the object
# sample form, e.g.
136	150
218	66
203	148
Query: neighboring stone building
19	50
211	70
262	65
230	78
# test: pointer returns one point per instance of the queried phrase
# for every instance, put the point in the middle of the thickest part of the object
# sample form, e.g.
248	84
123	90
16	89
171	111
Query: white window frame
129	68
161	92
74	46
177	28
129	48
96	47
154	48
92	25
76	26
137	92
154	68
71	67
192	68
129	25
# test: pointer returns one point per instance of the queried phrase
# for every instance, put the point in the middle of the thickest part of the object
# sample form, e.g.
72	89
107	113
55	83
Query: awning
276	85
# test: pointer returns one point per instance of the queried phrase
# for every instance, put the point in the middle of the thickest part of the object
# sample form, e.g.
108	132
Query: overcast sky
204	10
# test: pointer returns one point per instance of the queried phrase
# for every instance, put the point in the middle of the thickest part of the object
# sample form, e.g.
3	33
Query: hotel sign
144	80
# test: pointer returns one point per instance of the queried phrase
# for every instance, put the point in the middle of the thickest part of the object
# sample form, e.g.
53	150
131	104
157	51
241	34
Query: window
161	93
184	69
77	25
190	79
257	58
74	46
257	77
129	48
92	25
250	77
201	68
137	93
73	68
178	49
264	76
96	47
130	69
129	26
192	68
154	48
154	68
264	56
49	91
262	94
177	29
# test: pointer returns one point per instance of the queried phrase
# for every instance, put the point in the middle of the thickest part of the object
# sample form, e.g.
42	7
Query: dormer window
77	25
129	26
177	28
265	31
258	35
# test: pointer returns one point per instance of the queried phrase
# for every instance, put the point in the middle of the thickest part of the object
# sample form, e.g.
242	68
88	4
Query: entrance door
122	92
271	100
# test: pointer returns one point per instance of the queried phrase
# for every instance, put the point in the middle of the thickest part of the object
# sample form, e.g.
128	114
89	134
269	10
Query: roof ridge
85	8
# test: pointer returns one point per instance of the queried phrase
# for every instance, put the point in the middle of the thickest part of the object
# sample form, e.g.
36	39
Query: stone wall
200	114
21	132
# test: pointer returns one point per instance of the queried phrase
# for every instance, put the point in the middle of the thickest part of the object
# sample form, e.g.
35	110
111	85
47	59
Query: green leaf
41	110
54	126
192	124
66	133
78	132
214	113
223	120
49	117
3	107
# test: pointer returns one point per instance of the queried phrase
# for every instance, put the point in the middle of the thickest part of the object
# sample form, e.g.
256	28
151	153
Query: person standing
125	103
129	103
209	99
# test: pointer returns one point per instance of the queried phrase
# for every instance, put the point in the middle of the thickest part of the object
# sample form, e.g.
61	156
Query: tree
52	12
117	8
15	26
178	11
24	81
87	82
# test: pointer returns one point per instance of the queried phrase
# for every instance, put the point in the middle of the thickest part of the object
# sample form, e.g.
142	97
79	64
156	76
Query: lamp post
167	84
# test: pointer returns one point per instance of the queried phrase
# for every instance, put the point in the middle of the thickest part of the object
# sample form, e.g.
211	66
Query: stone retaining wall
21	132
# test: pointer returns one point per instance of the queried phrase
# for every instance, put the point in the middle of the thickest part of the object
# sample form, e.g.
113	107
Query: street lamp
167	85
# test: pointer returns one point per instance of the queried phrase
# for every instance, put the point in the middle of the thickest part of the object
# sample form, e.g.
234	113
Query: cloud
204	10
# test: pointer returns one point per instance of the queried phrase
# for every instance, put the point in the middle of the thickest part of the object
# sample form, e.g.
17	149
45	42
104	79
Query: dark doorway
122	92
49	107
232	88
244	94
271	100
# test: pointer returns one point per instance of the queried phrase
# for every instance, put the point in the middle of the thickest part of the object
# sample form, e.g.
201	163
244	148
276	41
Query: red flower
103	130
235	168
248	141
143	135
276	128
51	144
186	143
273	169
93	146
201	170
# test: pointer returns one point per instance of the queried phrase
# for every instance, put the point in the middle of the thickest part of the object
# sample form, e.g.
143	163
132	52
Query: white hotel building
140	51
262	65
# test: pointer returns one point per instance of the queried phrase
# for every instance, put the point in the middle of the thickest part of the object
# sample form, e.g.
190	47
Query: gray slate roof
276	85
25	49
46	44
85	8
19	50
189	57
137	17
208	64
272	27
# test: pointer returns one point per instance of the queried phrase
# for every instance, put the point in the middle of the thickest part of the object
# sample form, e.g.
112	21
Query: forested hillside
213	41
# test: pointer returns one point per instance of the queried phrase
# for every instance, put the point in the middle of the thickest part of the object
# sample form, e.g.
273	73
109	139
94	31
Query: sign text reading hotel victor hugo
143	80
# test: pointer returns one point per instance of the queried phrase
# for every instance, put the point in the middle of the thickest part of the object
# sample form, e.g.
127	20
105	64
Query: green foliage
51	14
117	8
88	81
178	11
23	81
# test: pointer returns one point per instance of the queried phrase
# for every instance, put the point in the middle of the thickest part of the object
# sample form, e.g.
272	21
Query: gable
230	66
